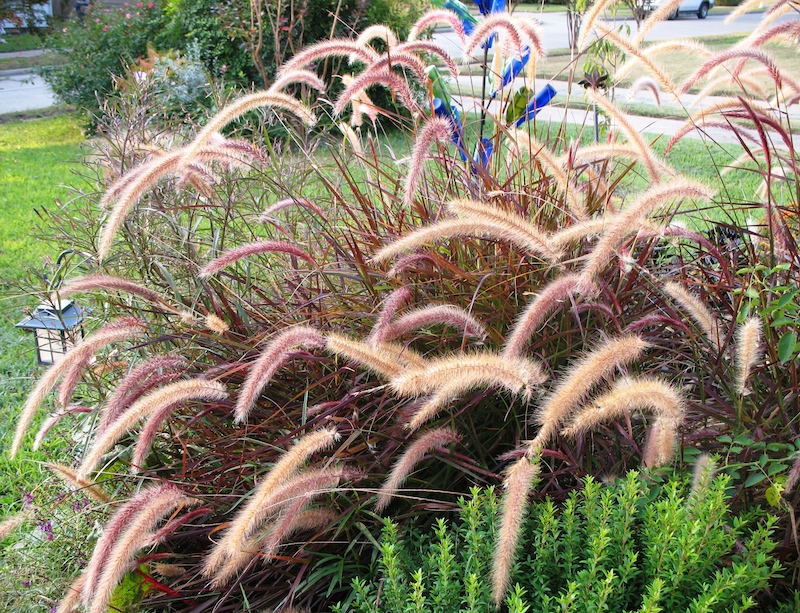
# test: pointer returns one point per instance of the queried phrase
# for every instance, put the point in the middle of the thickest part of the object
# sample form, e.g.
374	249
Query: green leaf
786	347
786	298
755	478
776	467
783	321
743	439
774	494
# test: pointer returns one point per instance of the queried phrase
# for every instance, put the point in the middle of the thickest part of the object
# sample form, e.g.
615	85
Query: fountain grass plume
393	302
368	78
589	19
400	59
434	18
72	599
654	166
378	31
383	359
91	489
170	395
271	488
429	48
660	14
748	351
54	418
579	380
114	332
435	130
309	519
627	395
630	218
516	31
258	247
101	282
753	5
751	79
407	261
468	371
565	238
545	301
437	438
646	84
471	226
327	49
704	317
703	474
112	532
274	356
778	76
8	526
294	77
423	317
518	483
141	379
660	445
136	535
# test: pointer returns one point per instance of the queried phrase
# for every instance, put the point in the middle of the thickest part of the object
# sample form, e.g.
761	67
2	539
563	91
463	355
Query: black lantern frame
56	329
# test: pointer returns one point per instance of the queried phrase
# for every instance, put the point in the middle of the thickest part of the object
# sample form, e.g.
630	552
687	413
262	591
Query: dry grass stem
437	438
518	483
117	331
579	380
545	301
274	356
748	351
703	316
198	390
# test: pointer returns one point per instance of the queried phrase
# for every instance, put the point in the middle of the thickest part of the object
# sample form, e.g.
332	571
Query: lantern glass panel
51	345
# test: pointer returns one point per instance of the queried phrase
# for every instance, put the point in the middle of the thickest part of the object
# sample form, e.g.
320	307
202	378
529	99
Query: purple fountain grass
407	261
437	438
260	246
446	314
435	18
579	380
646	84
703	316
171	395
384	359
113	530
251	516
275	355
545	301
72	599
704	470
51	421
662	438
116	331
137	534
156	371
589	20
304	521
627	395
565	238
748	351
327	49
97	282
518	483
533	244
8	526
629	219
394	301
379	31
655	17
517	32
436	130
779	77
450	376
787	31
655	167
705	124
429	48
293	77
289	202
89	488
398	58
369	78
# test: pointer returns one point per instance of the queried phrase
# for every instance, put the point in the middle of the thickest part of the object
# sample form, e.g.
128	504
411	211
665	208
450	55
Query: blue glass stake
539	101
514	68
483	152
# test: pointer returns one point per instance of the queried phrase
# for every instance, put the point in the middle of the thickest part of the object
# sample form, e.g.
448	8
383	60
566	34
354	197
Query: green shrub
637	545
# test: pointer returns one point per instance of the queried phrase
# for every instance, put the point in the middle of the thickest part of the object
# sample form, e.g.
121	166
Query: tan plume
748	351
699	312
383	359
90	488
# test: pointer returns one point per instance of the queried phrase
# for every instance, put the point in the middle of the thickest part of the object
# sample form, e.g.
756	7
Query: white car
698	7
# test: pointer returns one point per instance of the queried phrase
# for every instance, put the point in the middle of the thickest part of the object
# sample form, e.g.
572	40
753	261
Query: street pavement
22	89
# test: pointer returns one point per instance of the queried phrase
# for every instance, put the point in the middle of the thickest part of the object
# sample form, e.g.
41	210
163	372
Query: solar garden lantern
56	328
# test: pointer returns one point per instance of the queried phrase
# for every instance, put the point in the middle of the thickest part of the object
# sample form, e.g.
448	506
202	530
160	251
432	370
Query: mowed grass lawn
36	163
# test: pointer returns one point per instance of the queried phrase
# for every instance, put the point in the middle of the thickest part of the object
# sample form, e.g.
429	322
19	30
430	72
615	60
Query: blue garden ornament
439	86
484	6
461	10
450	112
536	104
483	152
514	67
